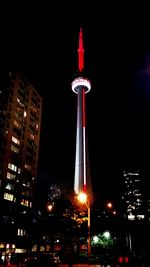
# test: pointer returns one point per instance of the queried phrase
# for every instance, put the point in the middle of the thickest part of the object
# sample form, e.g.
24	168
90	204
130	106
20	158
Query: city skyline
118	56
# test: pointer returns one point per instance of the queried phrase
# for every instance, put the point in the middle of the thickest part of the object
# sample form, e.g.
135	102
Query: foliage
102	241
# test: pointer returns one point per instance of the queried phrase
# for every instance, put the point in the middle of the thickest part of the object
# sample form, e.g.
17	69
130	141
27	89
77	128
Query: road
82	265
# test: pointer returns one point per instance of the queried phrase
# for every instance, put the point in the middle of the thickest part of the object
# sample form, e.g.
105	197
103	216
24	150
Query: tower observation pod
81	86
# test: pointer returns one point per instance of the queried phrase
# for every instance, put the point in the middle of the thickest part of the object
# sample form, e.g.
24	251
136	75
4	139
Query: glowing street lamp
50	207
109	205
106	235
82	197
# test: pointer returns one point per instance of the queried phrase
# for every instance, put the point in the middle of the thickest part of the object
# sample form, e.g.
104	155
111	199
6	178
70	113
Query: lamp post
83	198
89	228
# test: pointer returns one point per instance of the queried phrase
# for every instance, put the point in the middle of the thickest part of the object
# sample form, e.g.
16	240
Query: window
20	92
14	149
19	110
17	124
11	176
24	202
28	167
21	232
31	136
9	197
25	193
20	101
22	80
15	140
25	114
9	186
18	116
31	128
19	170
12	167
17	131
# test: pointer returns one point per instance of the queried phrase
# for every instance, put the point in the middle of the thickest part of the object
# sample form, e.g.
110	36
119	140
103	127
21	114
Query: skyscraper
81	86
20	124
133	198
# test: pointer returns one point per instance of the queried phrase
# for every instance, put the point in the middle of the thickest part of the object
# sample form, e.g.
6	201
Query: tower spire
80	52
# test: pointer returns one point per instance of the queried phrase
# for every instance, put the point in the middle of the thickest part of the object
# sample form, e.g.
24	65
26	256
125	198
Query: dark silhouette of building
20	124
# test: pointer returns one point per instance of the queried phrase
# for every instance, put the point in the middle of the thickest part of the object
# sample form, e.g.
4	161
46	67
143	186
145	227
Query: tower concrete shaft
81	86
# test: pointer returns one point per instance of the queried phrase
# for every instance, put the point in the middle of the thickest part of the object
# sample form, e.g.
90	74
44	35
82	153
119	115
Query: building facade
20	125
133	195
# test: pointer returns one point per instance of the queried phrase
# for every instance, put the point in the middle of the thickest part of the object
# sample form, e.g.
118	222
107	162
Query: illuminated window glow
12	167
19	170
14	149
17	124
9	186
20	102
9	197
24	202
21	232
15	140
11	176
27	166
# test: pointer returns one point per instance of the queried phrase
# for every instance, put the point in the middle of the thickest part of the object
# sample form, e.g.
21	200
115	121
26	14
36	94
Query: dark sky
42	41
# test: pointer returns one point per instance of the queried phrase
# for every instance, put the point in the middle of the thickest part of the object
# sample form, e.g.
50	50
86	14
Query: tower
81	86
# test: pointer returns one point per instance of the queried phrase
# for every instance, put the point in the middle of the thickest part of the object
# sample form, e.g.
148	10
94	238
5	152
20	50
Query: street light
83	198
106	234
50	207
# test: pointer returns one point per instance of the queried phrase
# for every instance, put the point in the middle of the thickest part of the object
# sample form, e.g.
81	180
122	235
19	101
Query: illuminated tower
81	86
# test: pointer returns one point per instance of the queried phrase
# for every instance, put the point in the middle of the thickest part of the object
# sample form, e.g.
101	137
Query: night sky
42	41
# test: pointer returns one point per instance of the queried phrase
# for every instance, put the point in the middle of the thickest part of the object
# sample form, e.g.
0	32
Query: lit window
140	216
25	193
11	176
28	167
19	170
12	167
31	136
9	186
21	232
18	116
19	101
24	202
131	217
14	149
9	197
15	140
17	124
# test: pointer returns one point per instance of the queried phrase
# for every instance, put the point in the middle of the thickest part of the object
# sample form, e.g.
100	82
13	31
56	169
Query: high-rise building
132	196
20	125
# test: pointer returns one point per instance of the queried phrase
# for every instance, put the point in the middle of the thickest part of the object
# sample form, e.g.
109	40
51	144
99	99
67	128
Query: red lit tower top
80	52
